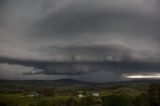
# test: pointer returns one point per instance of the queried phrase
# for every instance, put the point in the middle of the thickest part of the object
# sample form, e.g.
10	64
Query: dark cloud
89	17
75	21
79	60
80	37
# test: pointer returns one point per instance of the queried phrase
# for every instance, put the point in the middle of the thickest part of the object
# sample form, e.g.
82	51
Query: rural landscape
69	92
79	52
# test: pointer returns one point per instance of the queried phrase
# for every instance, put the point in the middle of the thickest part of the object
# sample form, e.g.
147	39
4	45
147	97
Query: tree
3	103
150	98
117	100
154	95
8	103
47	91
71	102
89	100
141	100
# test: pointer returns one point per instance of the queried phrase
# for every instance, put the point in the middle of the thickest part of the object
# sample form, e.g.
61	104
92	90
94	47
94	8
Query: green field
128	94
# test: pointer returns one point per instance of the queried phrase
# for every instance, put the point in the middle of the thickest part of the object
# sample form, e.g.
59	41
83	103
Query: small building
33	94
96	94
80	95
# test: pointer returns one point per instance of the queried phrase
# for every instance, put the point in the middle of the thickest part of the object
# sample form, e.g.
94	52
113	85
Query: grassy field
129	94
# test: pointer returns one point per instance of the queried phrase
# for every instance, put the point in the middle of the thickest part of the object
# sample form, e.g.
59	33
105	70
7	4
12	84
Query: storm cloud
77	38
79	60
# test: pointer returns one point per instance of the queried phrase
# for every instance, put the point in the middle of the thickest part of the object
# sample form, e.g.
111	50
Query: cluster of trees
150	98
8	103
47	91
43	91
117	100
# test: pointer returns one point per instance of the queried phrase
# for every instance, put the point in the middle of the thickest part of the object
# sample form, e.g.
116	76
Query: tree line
149	98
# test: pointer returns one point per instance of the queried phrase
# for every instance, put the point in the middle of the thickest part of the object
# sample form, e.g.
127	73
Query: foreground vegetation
115	95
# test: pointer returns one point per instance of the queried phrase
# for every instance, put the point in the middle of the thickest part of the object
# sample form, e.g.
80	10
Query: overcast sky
89	40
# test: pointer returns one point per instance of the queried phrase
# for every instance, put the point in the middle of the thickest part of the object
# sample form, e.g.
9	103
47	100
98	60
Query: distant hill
53	83
140	81
70	82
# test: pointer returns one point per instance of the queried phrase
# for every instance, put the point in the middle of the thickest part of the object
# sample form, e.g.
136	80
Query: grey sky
50	39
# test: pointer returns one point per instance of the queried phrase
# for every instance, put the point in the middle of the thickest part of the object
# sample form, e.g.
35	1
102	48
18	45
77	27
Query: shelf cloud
52	39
